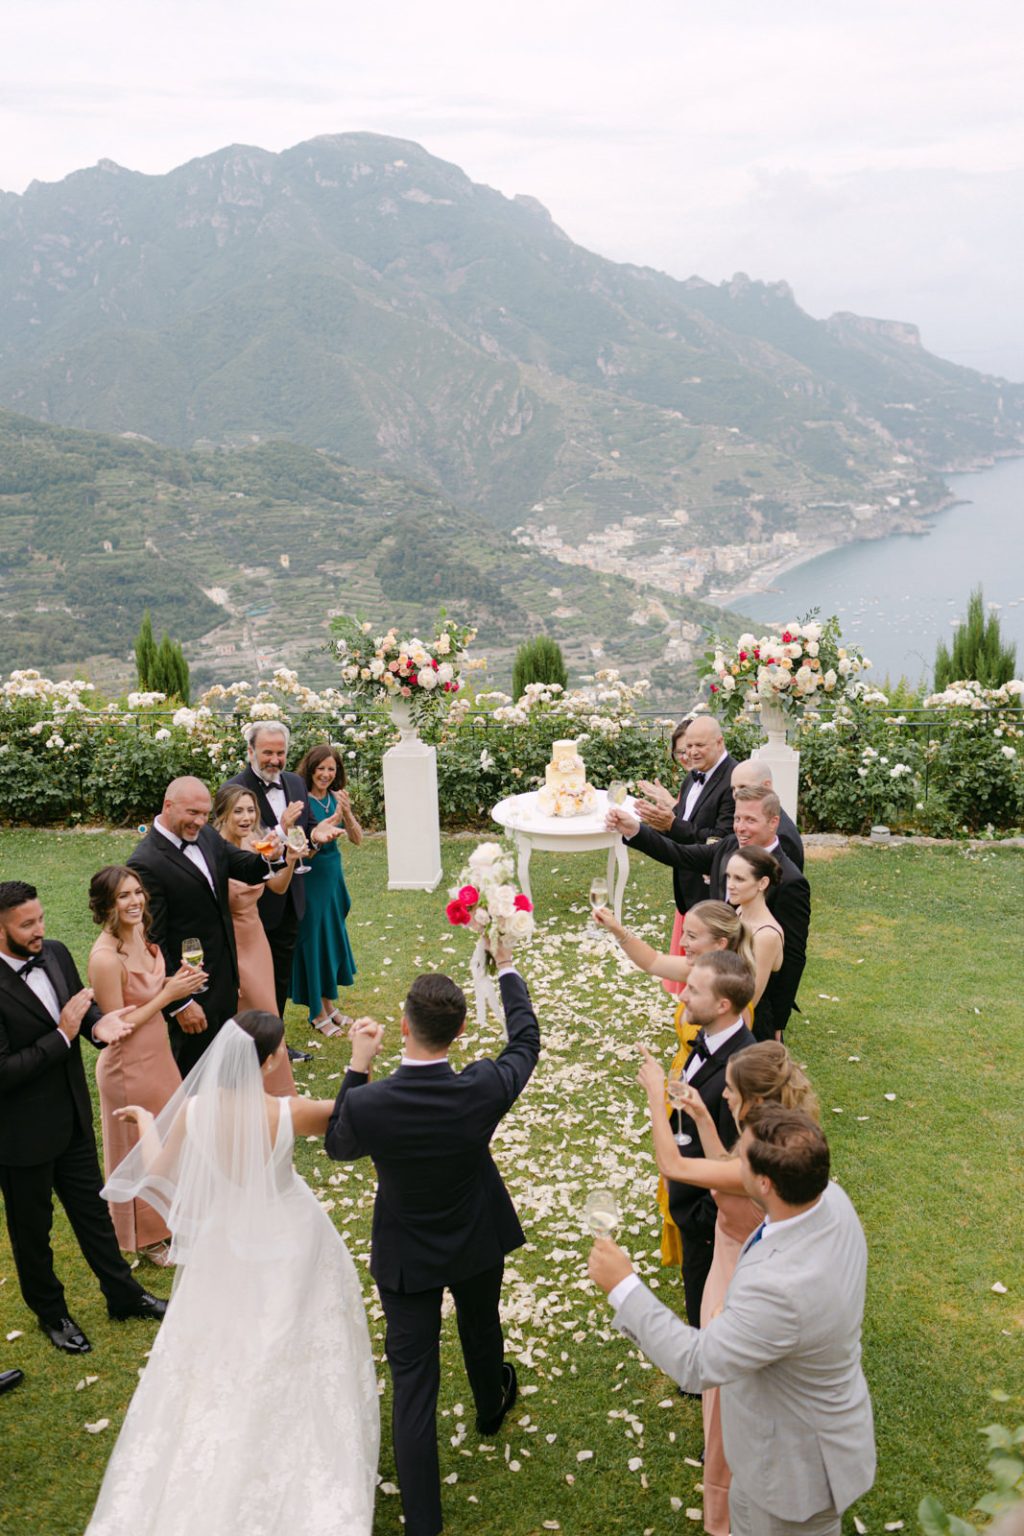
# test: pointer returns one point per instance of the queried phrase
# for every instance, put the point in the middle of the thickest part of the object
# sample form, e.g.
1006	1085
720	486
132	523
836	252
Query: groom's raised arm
342	1141
517	1061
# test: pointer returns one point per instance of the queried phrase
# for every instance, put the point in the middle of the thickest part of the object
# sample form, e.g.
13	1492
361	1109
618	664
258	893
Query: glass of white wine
192	954
598	895
617	792
601	1213
677	1096
297	840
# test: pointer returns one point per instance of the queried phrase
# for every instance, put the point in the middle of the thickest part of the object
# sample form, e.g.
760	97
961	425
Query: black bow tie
30	965
271	783
700	1046
698	778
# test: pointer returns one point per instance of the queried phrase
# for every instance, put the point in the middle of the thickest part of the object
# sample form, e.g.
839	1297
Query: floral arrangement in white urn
381	668
794	666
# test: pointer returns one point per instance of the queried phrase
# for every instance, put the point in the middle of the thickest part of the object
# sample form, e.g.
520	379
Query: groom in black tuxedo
442	1216
47	1143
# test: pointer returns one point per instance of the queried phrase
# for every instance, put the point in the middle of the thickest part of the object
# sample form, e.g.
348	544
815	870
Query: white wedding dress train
257	1412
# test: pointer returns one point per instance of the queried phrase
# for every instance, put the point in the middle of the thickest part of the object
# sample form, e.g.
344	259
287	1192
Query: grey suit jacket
785	1350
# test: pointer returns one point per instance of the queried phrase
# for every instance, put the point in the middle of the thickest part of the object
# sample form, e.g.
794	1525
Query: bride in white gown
257	1411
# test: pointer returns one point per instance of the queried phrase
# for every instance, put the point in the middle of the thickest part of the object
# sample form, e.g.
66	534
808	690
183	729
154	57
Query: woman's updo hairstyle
721	921
265	1029
766	1073
761	864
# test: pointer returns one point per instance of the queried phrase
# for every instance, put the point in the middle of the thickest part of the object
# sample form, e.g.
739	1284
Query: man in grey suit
785	1349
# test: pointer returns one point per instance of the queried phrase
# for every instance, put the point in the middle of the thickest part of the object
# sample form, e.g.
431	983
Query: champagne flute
264	842
617	792
296	839
601	1213
598	895
676	1088
192	954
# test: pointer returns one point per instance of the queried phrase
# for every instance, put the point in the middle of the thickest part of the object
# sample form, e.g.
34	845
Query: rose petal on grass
859	1526
15	1333
94	1429
584	1455
890	1096
999	1288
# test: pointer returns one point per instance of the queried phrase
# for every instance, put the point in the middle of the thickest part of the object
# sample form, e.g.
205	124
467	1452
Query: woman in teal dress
323	954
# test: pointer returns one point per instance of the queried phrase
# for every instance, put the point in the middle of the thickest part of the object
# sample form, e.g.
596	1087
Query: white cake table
519	814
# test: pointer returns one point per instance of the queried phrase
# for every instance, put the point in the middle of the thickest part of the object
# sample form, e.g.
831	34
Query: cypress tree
978	652
145	654
538	661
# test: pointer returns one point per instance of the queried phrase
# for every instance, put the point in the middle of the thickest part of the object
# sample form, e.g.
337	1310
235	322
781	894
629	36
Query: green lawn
918	951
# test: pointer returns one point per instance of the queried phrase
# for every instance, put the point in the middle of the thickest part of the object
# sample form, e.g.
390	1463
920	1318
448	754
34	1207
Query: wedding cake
566	791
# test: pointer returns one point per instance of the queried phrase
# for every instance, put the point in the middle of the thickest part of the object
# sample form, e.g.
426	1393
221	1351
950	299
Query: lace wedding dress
257	1410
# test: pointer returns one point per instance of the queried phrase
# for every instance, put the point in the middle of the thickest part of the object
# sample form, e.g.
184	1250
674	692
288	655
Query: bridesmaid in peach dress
236	817
126	970
763	1073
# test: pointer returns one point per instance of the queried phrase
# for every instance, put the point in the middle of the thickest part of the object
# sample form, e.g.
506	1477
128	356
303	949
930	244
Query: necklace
324	803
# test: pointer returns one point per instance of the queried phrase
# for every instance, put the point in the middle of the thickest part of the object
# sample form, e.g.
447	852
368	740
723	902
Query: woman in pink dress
126	970
236	817
762	1074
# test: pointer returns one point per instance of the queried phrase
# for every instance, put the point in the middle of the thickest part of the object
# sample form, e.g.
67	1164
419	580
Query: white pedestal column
782	759
410	812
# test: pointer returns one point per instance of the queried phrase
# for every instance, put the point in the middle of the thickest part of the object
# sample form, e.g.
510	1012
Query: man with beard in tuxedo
283	802
702	812
47	1143
756	822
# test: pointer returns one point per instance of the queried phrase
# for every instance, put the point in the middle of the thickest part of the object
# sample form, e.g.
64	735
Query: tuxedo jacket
442	1213
183	905
712	817
791	842
273	906
789	903
694	1210
44	1097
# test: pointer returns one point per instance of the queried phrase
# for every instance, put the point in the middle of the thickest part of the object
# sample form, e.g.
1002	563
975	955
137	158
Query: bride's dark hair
265	1029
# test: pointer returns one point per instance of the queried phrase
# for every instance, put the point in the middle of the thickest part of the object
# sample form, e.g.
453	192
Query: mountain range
385	338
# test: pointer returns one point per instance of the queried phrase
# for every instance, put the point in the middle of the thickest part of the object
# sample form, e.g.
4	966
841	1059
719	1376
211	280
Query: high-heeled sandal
158	1254
326	1026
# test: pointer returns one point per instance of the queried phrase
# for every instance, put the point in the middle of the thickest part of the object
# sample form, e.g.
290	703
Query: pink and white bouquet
795	666
383	667
486	901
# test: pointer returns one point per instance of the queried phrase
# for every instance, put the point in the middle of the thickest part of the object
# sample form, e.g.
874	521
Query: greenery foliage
978	650
953	770
1005	1467
539	660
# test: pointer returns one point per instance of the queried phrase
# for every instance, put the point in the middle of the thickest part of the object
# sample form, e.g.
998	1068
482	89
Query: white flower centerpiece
416	678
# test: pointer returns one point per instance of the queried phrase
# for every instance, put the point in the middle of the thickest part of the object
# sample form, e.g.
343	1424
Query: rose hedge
953	770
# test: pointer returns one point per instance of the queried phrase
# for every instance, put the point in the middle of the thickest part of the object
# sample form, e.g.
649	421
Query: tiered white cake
566	791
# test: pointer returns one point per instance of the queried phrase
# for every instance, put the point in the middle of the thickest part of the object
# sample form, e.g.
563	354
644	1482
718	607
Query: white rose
443	645
813	648
746	643
376	666
520	925
503	899
350	674
830	679
428	679
163	734
844	666
728	682
445	672
1008	752
55	742
484	855
812	632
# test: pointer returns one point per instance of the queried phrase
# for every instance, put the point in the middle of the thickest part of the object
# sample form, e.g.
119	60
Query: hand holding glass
678	1097
192	954
601	1213
297	839
617	792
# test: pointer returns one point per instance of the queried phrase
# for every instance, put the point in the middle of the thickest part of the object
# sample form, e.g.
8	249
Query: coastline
759	582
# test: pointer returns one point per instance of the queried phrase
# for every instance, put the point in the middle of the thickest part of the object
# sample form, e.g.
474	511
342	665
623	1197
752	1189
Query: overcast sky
871	153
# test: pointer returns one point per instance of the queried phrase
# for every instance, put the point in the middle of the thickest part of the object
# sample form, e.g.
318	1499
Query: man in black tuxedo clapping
46	1136
442	1216
703	810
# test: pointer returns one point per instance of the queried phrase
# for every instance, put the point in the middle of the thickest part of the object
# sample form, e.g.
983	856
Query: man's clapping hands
367	1038
107	1030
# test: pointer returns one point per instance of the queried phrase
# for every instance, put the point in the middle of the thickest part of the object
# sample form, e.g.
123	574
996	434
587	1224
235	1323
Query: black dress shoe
294	1055
510	1390
147	1306
67	1335
9	1379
